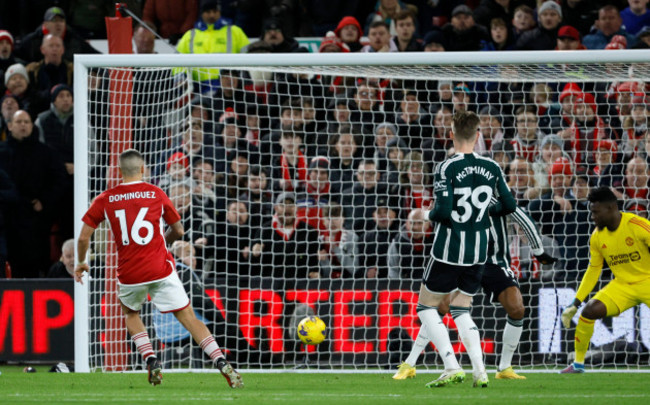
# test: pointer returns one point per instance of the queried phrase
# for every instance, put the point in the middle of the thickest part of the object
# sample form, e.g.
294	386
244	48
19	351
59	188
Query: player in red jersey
135	211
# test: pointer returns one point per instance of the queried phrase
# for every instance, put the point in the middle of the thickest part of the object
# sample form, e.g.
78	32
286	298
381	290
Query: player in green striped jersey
464	186
499	281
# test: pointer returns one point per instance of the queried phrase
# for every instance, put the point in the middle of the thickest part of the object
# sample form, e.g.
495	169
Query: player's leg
407	368
469	283
513	303
438	281
131	299
613	299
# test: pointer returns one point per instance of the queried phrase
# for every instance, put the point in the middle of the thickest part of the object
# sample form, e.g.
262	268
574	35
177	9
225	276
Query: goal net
300	179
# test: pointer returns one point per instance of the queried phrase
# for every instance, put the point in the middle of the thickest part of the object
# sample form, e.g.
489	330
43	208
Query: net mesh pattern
355	148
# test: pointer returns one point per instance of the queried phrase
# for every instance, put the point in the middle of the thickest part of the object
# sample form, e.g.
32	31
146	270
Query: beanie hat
570	89
619	39
615	46
348	20
178	157
550	5
210	5
6	35
609	145
561	165
58	89
554	139
331	39
568	31
589	101
320	162
16	69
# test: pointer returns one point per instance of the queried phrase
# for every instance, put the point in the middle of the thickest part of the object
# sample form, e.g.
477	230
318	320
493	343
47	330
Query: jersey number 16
138	224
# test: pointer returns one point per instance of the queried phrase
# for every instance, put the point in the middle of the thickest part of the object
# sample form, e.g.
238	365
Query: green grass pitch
42	387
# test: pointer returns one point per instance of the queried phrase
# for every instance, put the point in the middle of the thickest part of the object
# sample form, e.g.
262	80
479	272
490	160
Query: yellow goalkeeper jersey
626	251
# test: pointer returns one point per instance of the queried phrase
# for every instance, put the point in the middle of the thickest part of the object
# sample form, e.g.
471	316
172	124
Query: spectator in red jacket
350	32
172	18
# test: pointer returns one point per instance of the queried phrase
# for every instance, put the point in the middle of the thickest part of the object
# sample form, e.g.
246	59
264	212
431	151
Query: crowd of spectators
301	176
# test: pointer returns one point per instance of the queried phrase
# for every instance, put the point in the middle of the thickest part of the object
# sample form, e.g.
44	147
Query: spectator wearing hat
273	34
462	33
433	41
409	251
405	26
376	241
643	38
568	39
39	177
544	36
567	98
608	170
360	200
636	16
211	34
349	32
635	126
17	84
7	56
172	18
9	104
332	44
500	37
176	172
608	24
285	248
56	127
53	69
339	254
587	128
54	23
379	39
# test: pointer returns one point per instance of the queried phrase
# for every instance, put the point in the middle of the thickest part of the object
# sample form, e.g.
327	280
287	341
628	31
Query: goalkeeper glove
545	258
569	312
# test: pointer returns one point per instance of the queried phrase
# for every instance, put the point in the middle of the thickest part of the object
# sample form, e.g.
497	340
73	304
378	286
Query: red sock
143	344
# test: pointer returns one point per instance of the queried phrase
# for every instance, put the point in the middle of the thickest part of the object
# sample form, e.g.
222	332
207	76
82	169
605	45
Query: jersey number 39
469	200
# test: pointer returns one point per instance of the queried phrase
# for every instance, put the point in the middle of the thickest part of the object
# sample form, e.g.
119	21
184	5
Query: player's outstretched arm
83	243
174	232
527	224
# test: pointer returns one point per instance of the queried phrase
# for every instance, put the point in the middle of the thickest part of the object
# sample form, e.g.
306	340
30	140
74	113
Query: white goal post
370	321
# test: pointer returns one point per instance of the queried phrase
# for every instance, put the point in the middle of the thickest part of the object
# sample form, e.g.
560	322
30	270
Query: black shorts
496	279
443	278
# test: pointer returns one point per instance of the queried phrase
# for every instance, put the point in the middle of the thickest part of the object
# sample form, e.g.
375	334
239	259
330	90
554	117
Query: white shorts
167	294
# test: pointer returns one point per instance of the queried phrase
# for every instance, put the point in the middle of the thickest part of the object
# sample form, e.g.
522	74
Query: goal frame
82	63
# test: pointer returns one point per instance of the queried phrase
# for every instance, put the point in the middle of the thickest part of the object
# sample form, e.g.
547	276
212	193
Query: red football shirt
135	212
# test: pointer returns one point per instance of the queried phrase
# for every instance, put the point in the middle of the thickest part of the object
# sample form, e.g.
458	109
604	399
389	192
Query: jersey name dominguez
464	185
135	212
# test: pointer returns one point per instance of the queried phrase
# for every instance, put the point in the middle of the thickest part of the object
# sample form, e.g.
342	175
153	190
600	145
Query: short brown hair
525	9
497	22
465	124
404	14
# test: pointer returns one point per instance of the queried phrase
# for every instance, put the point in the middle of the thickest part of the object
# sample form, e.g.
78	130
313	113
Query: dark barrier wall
367	321
36	320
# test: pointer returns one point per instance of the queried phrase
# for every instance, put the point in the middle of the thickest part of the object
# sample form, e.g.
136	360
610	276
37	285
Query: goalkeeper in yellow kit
623	241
